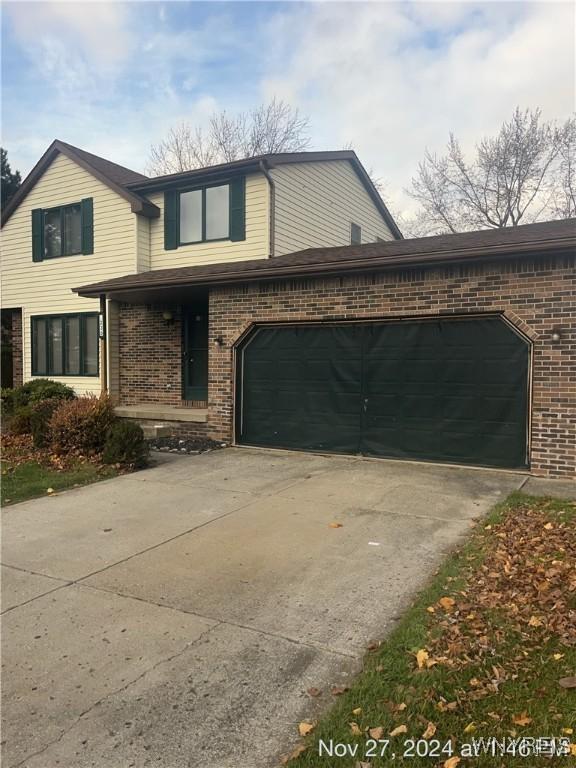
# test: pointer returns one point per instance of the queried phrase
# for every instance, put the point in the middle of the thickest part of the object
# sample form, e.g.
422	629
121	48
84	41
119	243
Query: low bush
125	445
41	389
40	416
20	420
81	424
7	401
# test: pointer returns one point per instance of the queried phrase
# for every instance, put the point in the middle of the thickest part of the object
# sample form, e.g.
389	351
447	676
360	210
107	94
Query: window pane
55	345
72	357
217	212
39	347
72	230
91	346
191	216
52	234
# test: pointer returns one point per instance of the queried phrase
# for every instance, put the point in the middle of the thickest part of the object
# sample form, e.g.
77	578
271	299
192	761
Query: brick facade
537	295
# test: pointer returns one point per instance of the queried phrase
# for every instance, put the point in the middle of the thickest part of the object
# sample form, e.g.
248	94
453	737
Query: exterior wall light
168	316
219	341
556	335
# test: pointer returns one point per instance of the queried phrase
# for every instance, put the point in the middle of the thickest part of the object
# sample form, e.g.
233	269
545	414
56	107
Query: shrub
40	415
81	424
20	421
125	445
7	401
41	389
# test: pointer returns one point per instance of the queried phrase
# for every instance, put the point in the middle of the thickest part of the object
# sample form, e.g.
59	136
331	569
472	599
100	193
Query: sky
389	79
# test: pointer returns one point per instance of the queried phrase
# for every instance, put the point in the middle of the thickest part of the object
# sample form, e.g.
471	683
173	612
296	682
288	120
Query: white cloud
393	78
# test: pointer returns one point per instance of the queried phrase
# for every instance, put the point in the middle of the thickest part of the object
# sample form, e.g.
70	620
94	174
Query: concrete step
156	430
162	413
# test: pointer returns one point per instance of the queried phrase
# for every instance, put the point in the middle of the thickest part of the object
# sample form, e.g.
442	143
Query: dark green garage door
441	390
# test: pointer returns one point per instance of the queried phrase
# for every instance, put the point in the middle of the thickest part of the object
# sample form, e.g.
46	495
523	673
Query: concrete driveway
177	616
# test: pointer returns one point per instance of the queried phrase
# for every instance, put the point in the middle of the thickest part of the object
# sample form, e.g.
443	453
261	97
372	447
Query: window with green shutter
65	345
67	230
205	214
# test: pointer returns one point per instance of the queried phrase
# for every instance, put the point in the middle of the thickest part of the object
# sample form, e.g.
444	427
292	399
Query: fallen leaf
362	764
357	711
534	622
567	682
558	656
452	762
373	646
376	733
398	730
568	731
421	657
305	728
573	749
522	719
429	732
548	526
400	707
314	692
336	525
294	754
431	609
447	603
470	728
338	690
49	490
355	729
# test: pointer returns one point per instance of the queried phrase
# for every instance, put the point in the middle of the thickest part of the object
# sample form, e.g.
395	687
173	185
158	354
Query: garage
441	389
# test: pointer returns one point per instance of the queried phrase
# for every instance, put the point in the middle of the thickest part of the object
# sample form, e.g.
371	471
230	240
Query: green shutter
37	234
238	209
87	225
171	234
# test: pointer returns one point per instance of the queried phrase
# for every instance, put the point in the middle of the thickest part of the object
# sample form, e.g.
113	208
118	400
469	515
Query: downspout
270	180
103	345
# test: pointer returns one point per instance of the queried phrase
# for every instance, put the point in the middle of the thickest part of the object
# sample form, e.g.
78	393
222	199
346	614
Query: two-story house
273	302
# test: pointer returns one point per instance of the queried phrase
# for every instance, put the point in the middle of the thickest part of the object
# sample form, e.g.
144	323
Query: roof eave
367	264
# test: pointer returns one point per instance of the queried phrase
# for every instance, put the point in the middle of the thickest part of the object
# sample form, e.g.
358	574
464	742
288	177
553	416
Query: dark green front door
442	390
195	354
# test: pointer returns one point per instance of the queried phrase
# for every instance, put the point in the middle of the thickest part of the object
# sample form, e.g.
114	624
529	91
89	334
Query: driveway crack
110	694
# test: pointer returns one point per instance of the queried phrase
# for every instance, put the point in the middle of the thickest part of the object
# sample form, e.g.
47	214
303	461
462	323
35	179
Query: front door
195	354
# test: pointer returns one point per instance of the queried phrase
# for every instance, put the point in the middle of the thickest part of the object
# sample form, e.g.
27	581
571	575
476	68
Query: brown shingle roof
490	243
113	175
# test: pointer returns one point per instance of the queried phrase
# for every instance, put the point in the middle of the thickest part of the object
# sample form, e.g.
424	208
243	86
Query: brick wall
150	355
17	349
536	294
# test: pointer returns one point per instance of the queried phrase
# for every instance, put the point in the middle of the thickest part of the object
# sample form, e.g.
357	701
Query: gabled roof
490	244
115	176
268	161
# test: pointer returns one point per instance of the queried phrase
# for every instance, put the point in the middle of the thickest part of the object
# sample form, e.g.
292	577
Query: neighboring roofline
138	204
281	267
254	165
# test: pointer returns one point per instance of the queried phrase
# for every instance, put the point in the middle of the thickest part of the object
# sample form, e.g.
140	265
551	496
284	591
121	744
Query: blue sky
389	78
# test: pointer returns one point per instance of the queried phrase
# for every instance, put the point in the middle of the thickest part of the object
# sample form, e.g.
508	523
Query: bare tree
526	173
268	128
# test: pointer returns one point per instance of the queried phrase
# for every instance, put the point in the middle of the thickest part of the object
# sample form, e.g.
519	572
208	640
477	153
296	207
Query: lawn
488	650
30	479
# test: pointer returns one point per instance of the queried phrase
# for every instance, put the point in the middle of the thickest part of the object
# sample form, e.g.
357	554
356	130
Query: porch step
161	413
156	430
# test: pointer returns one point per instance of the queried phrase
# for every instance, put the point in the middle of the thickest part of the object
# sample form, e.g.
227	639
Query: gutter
272	207
367	264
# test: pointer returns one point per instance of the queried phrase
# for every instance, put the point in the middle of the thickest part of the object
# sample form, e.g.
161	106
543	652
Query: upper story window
205	214
355	234
67	230
63	231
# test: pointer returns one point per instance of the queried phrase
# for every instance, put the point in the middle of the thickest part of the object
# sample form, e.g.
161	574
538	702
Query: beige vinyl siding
43	288
143	243
316	203
255	246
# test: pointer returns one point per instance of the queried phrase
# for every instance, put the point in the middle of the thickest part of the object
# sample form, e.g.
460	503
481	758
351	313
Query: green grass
30	480
390	677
